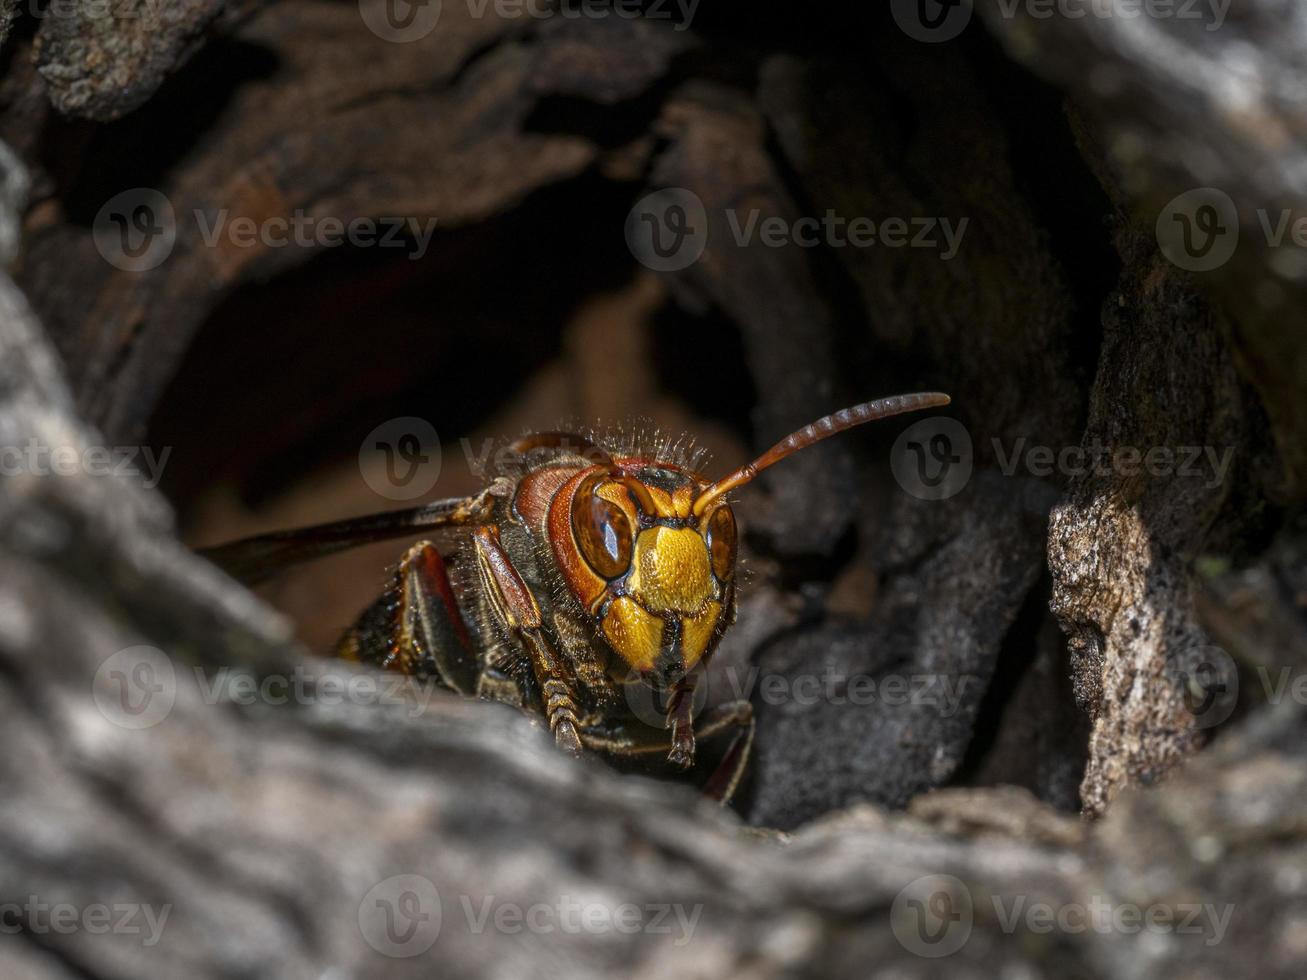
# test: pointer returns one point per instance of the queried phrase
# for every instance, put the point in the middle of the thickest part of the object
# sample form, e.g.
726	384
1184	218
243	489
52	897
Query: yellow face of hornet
655	577
648	549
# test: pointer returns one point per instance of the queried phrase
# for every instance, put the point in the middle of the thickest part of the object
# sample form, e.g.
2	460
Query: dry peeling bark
275	824
1059	323
8	14
1123	544
462	125
1181	105
101	60
952	576
438	131
1174	370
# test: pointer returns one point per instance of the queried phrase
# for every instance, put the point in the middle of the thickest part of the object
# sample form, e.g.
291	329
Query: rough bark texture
1179	107
1119	642
101	60
1122	548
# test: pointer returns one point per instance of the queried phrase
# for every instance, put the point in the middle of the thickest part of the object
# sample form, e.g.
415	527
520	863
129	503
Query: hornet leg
416	627
516	608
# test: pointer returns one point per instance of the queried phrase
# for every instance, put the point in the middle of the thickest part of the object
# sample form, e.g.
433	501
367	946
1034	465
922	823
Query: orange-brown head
655	577
648	549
